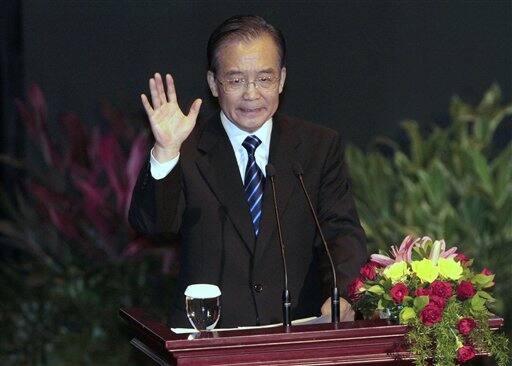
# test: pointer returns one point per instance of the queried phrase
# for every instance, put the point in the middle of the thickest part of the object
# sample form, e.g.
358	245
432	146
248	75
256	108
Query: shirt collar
237	136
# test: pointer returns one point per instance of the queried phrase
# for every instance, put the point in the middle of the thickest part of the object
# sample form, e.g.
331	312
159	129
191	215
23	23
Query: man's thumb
194	109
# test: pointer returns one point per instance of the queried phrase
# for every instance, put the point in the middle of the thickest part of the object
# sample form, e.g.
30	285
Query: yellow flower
407	314
450	268
425	270
396	271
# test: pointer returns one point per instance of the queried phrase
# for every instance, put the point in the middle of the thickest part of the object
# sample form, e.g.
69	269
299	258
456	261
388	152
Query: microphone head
271	171
297	168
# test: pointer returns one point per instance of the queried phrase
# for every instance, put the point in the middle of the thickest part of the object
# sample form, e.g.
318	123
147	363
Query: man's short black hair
244	28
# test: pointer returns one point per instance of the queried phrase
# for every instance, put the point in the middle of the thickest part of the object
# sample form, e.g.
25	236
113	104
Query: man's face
250	106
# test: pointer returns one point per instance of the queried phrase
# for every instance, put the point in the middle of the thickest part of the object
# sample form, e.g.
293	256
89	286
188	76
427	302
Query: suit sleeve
340	223
157	205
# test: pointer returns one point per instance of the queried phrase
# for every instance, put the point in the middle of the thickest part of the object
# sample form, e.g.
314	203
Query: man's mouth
251	110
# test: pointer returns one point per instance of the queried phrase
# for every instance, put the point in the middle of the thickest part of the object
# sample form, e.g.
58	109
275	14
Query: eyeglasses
236	83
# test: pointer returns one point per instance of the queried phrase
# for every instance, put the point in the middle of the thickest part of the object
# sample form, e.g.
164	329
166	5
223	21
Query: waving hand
169	125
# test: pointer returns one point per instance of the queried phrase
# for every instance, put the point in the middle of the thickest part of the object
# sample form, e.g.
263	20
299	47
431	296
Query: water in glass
203	306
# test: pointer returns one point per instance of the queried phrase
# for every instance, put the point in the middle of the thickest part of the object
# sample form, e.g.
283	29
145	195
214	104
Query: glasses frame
246	85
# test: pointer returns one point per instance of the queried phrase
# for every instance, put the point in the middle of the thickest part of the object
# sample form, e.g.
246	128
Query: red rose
486	272
431	314
465	354
398	292
441	288
465	290
368	271
466	325
354	287
462	259
422	292
437	301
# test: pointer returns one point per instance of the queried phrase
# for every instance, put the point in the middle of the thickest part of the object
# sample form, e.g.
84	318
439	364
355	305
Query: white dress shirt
236	137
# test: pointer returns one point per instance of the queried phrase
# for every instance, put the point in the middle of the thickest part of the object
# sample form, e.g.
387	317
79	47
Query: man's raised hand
169	125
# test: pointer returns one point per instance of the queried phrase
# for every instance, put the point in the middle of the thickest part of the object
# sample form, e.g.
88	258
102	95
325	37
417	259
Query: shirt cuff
160	170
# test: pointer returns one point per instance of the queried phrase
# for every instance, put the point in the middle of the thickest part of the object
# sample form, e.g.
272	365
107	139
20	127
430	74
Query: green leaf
416	141
420	302
460	111
482	169
376	289
491	99
502	170
380	305
407	314
481	279
477	303
485	295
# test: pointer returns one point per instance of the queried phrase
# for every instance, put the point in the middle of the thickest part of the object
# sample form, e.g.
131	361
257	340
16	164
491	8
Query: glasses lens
237	84
266	82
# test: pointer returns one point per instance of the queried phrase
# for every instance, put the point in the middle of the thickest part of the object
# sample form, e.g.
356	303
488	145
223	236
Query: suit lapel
283	145
219	168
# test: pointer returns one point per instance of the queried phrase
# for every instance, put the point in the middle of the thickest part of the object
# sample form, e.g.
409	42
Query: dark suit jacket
202	200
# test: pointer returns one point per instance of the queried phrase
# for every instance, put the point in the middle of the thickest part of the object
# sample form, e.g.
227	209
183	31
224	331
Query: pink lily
403	253
443	253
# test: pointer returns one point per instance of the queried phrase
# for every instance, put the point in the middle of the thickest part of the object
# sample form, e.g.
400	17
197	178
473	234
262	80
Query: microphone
335	297
287	302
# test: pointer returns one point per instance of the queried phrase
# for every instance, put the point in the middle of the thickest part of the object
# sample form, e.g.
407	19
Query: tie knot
251	143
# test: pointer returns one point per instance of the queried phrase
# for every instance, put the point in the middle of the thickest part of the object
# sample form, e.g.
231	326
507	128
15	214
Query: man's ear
210	78
282	80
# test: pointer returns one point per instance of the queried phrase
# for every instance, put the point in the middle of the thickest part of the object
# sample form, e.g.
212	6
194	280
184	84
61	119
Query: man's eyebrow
266	71
233	72
270	70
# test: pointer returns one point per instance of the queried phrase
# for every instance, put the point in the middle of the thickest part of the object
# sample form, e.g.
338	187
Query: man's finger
171	91
160	88
155	99
194	109
147	106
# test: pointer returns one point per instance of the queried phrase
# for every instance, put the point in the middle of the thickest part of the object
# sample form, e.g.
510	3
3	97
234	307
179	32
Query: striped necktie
253	182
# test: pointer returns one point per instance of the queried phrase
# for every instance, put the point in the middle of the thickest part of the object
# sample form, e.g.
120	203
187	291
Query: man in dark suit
206	183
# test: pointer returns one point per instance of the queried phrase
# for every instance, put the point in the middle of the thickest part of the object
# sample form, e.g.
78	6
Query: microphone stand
287	302
335	296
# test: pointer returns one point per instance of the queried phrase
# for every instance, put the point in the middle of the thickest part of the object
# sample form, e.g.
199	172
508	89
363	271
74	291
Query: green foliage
451	183
71	318
422	340
480	337
439	342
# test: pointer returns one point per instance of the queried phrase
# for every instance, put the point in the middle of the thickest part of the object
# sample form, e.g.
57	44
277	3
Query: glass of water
202	302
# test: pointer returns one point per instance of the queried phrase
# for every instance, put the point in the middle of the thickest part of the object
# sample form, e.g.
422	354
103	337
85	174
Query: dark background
357	66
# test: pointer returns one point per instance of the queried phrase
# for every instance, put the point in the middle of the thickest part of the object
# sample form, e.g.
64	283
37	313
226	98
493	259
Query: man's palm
169	125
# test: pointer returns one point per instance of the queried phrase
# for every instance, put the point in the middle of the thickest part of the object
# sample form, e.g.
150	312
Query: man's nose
251	91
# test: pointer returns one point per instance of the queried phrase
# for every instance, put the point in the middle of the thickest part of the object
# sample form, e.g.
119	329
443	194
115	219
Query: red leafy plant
79	180
70	258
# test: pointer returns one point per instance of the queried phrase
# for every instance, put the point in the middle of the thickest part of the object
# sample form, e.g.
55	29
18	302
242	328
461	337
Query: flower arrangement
435	292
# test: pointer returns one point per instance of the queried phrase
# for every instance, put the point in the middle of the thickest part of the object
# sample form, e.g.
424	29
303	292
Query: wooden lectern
352	343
